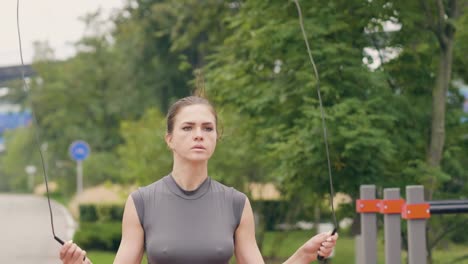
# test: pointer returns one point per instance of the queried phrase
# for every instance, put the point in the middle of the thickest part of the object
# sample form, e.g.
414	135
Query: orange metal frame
367	206
391	206
416	211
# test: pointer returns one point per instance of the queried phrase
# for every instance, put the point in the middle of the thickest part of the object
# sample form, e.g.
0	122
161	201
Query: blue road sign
79	150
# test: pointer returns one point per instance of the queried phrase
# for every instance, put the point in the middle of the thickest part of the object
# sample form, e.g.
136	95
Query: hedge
101	212
99	236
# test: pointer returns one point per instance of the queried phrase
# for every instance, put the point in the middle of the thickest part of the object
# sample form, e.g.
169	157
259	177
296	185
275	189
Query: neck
189	175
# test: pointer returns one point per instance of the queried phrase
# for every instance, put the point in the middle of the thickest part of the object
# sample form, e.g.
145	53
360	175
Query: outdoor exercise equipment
415	210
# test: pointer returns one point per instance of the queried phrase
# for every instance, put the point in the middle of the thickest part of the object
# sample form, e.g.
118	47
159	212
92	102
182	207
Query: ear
168	139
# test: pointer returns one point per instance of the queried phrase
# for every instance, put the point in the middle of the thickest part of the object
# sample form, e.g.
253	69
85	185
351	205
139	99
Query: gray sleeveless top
188	226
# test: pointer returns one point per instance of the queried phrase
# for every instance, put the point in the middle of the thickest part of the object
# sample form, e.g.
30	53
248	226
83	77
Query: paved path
25	232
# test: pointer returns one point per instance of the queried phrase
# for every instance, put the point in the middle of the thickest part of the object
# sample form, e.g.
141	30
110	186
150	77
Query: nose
198	135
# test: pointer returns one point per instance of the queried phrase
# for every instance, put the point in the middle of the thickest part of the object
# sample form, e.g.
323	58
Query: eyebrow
193	123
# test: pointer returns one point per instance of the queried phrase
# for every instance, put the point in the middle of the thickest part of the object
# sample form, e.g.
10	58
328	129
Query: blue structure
464	91
13	120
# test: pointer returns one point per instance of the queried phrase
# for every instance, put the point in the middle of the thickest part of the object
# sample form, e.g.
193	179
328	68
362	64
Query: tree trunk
445	33
439	96
317	218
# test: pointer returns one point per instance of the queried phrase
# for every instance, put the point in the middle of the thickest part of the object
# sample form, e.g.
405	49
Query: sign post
79	151
30	170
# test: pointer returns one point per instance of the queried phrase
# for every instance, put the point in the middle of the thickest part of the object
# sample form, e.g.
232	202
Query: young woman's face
194	135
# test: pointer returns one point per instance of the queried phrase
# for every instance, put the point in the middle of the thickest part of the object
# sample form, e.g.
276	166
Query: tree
21	151
144	157
263	70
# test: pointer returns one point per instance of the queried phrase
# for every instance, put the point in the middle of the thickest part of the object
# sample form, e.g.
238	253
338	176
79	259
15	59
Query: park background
393	77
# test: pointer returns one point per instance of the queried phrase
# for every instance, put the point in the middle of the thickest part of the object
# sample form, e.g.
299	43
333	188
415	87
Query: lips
198	147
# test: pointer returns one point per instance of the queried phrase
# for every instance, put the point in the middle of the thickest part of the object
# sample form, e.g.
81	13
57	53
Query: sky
55	21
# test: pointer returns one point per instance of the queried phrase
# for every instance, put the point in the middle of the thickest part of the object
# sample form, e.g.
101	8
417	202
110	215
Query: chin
198	158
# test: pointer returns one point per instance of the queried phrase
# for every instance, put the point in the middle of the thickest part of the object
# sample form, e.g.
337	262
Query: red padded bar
367	206
416	211
391	206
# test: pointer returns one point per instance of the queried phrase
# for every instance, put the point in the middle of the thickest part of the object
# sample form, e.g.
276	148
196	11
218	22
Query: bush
88	213
101	212
272	212
99	236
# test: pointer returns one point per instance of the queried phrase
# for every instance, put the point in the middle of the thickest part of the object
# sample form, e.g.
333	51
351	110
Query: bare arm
131	247
322	244
247	251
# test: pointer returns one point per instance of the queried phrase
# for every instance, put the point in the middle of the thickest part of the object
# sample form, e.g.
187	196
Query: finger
69	253
334	237
325	252
76	256
65	248
331	238
83	255
328	244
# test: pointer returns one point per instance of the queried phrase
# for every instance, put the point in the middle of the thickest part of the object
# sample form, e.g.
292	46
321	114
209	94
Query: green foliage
99	236
144	156
101	213
110	212
21	151
236	161
263	71
88	213
271	212
114	92
101	167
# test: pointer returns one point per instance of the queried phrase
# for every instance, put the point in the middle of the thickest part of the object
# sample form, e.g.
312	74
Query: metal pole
31	171
368	228
30	182
392	226
417	253
358	249
79	176
449	209
448	202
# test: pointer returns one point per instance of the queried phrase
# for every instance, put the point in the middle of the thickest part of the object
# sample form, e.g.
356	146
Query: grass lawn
104	257
279	245
283	244
98	257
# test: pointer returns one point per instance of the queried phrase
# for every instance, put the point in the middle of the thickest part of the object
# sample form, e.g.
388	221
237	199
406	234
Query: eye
209	129
186	128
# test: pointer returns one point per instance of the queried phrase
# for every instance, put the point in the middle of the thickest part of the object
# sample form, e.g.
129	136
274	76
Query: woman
186	217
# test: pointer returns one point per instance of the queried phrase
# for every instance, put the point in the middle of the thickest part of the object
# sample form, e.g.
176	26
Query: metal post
358	249
368	228
79	176
30	182
31	171
417	253
392	226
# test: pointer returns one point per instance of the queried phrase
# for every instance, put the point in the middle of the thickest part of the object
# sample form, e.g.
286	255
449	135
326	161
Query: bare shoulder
246	248
247	208
130	215
132	244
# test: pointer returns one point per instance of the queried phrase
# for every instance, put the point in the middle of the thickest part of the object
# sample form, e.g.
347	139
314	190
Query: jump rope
324	126
36	129
322	114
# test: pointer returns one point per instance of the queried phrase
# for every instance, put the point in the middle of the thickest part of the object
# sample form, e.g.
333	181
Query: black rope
322	114
35	125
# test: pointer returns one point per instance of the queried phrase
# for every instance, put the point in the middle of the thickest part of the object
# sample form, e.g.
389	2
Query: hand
72	254
321	244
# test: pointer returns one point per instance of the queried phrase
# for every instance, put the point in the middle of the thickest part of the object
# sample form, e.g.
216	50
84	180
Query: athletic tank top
188	226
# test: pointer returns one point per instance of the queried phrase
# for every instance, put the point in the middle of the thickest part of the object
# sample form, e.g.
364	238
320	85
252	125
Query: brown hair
183	102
